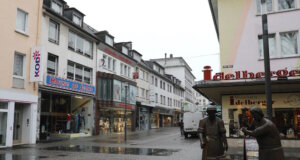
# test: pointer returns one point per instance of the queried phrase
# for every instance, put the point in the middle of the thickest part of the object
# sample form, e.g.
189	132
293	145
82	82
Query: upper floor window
53	32
80	45
272	46
52	64
152	79
289	43
18	71
259	6
77	20
155	82
124	50
109	40
56	7
22	21
286	4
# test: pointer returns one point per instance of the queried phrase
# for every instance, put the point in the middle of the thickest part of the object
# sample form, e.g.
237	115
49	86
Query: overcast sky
183	28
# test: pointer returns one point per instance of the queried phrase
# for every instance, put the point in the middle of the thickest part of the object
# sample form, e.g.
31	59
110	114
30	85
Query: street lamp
266	58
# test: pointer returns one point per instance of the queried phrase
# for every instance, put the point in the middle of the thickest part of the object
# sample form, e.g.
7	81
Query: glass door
3	128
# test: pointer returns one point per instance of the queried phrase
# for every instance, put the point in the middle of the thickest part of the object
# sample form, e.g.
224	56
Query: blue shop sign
68	84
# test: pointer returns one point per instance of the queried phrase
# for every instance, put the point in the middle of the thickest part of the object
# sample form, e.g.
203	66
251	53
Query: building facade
20	38
166	95
66	94
178	66
116	88
242	65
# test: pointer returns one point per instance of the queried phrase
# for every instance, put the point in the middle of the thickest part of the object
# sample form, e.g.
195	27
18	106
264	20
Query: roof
72	8
214	90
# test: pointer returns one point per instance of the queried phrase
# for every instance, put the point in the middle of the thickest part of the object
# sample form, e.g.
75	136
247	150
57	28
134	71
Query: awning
214	90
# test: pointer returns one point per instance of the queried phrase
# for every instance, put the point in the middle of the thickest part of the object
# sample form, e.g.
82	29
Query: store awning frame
214	90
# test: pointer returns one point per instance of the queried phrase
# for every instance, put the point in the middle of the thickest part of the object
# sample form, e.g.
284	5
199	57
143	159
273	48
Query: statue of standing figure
267	136
212	136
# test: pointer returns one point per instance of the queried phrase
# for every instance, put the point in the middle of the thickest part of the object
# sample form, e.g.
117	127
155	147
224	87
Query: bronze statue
212	136
267	136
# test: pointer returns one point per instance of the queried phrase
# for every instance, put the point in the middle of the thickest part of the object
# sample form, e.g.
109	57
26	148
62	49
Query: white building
177	66
66	95
162	98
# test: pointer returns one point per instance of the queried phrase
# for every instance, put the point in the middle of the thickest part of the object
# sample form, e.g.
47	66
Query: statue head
257	113
211	111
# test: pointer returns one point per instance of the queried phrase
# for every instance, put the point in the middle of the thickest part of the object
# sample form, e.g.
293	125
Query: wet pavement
162	144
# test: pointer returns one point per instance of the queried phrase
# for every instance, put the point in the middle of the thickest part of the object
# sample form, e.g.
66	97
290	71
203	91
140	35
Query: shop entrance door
17	133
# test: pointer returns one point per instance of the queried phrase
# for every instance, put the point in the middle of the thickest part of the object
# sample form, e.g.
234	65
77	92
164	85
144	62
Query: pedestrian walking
181	126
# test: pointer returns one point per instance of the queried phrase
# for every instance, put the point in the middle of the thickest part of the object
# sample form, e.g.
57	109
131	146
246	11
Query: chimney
171	55
165	58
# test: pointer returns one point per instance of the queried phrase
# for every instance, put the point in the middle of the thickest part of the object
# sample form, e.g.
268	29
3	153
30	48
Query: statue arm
259	131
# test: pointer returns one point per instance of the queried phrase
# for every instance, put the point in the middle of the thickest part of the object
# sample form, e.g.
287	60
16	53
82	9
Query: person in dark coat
267	136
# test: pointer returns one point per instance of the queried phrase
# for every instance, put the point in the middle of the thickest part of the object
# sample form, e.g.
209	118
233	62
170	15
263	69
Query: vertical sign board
36	64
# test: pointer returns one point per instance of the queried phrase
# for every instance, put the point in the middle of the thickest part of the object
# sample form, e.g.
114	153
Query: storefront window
3	128
286	113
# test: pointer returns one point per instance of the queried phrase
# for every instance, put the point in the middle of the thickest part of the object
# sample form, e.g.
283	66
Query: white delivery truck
191	123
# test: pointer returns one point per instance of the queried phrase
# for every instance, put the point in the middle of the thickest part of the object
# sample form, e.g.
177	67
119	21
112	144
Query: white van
191	123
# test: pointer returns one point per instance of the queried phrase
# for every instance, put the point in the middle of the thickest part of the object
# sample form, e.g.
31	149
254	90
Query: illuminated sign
68	84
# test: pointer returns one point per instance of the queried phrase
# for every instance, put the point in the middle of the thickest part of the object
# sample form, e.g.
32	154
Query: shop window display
63	114
287	121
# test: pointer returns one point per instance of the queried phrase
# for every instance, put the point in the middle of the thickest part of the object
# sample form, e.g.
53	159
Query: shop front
238	96
162	117
66	109
116	101
143	117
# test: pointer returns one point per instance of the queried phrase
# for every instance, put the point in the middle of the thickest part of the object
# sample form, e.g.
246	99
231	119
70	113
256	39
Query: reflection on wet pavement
115	150
20	157
241	157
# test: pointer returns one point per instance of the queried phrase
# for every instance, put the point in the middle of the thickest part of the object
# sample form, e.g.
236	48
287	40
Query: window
109	40
56	7
124	50
80	45
52	64
114	65
156	98
125	70
147	94
72	40
53	32
76	19
269	6
87	75
129	71
121	68
272	46
22	21
156	82
161	84
161	99
109	63
289	43
286	4
70	70
18	70
143	92
152	79
79	72
164	86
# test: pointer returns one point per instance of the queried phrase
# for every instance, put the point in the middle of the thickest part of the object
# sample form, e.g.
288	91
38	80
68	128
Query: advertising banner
36	64
68	84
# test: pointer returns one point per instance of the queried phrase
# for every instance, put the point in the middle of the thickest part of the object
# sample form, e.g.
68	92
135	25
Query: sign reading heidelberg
68	84
247	75
36	67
